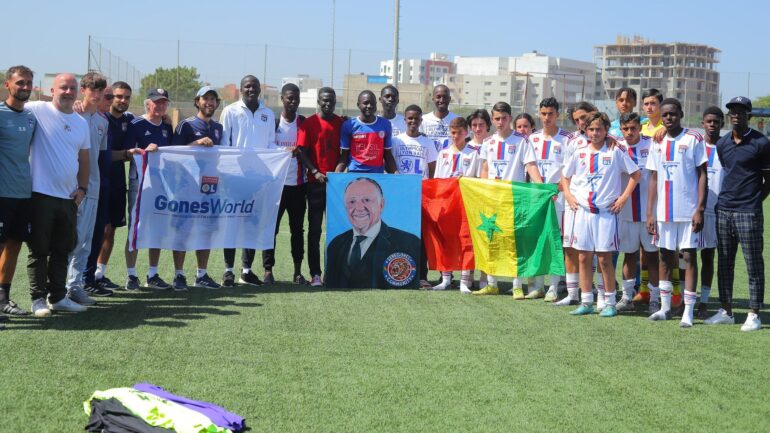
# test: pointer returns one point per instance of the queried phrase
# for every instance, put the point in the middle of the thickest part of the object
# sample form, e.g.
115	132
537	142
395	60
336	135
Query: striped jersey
454	163
714	170
599	175
676	160
507	157
576	140
636	206
550	157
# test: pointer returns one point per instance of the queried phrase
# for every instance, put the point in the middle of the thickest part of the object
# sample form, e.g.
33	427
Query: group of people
638	184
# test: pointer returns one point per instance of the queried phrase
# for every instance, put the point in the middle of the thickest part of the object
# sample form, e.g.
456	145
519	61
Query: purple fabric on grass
217	414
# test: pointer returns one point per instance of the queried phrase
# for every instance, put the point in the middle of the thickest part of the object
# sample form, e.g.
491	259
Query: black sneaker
132	283
299	279
268	278
157	283
250	279
206	282
228	279
4	319
12	309
106	283
180	283
96	289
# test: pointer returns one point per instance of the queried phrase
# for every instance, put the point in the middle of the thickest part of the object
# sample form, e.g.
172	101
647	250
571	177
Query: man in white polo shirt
60	172
246	124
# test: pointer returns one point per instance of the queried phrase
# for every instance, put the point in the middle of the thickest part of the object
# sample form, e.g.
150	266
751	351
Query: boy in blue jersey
198	130
147	132
365	141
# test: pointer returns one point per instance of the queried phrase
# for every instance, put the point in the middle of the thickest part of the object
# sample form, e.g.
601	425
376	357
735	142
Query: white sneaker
464	289
440	286
67	304
752	323
720	318
316	281
40	308
80	296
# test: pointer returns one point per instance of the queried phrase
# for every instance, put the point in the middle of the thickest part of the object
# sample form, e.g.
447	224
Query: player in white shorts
633	231
713	121
508	156
549	144
457	160
600	197
577	140
678	189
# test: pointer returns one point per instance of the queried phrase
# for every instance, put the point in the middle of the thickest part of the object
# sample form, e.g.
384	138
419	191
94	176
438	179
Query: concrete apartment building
428	71
680	70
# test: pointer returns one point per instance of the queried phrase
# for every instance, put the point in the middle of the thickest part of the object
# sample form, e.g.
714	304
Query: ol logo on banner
209	184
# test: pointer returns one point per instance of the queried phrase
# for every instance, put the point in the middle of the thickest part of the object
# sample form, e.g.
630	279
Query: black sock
5	290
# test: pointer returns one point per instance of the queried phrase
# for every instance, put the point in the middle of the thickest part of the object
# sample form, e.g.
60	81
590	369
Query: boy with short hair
414	152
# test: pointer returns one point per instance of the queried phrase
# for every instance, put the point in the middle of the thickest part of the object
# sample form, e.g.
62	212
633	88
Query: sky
226	39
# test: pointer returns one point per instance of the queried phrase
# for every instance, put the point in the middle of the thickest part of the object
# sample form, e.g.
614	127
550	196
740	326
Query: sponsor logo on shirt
536	139
146	133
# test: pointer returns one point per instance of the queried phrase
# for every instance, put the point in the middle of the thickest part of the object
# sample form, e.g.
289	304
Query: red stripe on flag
445	230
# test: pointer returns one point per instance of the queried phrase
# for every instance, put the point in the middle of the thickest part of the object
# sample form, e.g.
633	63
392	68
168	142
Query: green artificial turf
295	359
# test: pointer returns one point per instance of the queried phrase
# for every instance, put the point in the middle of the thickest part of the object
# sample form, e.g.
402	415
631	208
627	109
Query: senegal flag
513	226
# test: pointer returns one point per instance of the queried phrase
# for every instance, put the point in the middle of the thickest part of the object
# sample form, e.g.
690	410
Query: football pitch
296	359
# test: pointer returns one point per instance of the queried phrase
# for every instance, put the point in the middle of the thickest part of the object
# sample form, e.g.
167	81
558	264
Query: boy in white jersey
457	160
713	121
549	144
414	152
678	188
633	231
599	197
577	140
389	99
436	123
507	155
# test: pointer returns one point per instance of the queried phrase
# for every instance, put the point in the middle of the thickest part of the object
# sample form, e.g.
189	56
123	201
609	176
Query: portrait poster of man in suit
373	231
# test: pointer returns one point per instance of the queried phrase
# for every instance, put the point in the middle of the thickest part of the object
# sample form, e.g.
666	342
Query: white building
303	81
419	71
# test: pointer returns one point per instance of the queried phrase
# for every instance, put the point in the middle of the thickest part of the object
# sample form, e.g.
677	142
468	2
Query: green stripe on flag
536	227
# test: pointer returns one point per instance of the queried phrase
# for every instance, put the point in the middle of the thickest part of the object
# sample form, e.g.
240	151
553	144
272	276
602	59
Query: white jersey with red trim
636	206
714	170
576	140
454	163
507	157
550	157
599	175
676	160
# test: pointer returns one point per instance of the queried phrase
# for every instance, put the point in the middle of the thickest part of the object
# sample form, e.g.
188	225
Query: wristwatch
314	171
84	189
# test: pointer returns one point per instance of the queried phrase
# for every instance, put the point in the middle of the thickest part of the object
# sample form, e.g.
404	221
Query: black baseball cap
157	95
740	100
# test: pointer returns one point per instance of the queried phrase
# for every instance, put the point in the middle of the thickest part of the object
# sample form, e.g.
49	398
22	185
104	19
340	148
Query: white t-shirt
676	160
413	154
636	207
286	139
397	125
714	170
550	157
507	158
577	140
242	128
600	172
437	129
451	163
54	151
98	126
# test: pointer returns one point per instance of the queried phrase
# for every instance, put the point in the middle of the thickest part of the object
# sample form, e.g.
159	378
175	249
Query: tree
166	79
762	101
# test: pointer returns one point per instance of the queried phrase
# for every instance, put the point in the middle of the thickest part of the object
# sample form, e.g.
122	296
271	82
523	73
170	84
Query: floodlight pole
395	45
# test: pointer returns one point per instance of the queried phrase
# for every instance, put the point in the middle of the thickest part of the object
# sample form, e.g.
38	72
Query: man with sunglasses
745	157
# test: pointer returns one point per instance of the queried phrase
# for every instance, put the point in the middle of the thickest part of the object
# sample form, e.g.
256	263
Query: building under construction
680	70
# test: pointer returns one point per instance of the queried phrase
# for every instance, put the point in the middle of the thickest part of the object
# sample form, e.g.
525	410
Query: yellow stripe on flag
489	207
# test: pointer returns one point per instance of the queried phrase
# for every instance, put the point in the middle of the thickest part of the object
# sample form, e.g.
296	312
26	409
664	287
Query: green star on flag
489	226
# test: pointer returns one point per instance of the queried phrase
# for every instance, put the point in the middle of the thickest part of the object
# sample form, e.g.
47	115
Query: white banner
195	198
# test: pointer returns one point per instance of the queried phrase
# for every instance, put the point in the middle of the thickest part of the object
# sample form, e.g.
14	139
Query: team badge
216	134
682	148
165	133
644	153
67	128
264	117
381	134
31	123
536	139
124	126
209	184
557	150
160	90
100	131
511	149
399	269
607	160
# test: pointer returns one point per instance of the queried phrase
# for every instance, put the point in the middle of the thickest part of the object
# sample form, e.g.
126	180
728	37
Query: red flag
445	229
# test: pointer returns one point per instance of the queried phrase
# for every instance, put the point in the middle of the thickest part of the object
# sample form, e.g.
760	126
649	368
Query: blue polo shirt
742	167
142	132
194	128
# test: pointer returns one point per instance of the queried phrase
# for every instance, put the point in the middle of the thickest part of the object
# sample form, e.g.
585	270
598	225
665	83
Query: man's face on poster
363	204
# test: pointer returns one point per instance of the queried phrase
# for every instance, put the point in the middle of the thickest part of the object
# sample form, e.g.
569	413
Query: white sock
446	279
152	271
517	283
628	289
229	270
689	306
179	272
665	295
572	286
538	283
131	272
654	293
587	298
599	281
482	279
554	282
705	292
610	298
100	269
200	272
465	281
492	280
245	270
